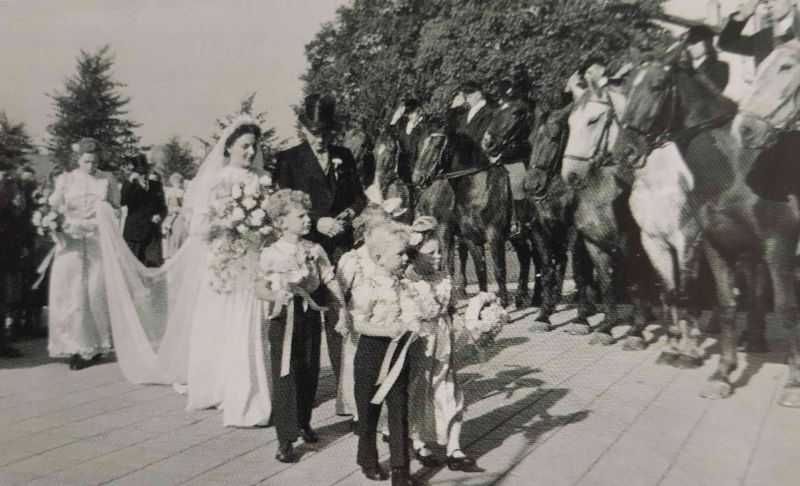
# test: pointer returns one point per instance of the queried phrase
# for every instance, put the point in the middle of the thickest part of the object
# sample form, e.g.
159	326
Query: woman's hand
345	324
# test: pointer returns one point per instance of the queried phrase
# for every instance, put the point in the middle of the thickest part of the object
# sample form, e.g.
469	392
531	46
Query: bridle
601	150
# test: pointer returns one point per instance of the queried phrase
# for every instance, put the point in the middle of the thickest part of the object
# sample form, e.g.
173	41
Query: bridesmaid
78	306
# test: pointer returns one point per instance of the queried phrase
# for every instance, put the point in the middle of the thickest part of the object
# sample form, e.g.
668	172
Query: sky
185	62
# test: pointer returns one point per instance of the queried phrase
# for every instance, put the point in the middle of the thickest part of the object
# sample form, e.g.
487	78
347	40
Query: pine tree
177	157
15	143
91	105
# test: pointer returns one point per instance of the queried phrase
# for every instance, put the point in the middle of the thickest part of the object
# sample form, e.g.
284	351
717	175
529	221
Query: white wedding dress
170	327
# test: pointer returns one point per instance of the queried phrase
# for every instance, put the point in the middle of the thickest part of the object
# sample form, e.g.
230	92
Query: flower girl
293	275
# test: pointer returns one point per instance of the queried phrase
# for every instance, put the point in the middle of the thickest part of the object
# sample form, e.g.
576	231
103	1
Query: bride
226	366
170	325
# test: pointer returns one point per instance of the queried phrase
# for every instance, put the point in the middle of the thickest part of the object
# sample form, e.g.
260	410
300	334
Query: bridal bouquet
424	303
46	219
239	224
484	319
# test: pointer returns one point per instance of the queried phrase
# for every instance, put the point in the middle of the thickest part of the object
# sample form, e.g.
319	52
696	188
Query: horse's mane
696	92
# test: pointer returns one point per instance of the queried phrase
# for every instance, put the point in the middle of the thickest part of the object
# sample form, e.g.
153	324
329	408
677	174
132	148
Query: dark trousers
139	249
293	395
334	340
368	360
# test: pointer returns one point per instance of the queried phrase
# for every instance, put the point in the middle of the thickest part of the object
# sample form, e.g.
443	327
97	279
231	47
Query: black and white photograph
406	242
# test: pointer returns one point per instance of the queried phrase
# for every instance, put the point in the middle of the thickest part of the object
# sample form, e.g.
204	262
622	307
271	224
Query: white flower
237	214
236	191
249	203
336	161
265	230
251	188
37	218
255	219
265	180
241	228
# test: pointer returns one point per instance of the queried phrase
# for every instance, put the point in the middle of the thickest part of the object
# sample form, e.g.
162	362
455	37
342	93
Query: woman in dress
79	318
226	363
173	228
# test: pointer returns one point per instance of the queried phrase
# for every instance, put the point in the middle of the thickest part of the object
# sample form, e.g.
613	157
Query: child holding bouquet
435	398
294	273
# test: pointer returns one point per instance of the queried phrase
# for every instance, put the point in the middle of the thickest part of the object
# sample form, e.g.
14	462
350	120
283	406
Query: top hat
319	113
139	162
699	33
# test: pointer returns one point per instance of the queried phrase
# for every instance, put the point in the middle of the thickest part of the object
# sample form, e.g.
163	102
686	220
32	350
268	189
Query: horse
603	218
553	206
361	144
669	104
506	139
481	203
388	172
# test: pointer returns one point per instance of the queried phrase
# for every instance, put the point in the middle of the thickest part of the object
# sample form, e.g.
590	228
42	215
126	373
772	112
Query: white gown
79	321
226	359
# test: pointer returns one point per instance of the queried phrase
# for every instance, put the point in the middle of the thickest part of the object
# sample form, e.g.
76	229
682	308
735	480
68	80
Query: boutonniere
336	162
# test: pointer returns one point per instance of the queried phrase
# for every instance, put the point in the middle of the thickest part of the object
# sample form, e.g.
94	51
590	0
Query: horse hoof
602	338
756	346
634	343
716	389
790	397
521	300
686	362
541	326
577	329
666	358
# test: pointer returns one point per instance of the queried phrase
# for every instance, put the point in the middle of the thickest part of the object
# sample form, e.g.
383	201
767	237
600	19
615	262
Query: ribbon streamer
308	302
42	269
392	376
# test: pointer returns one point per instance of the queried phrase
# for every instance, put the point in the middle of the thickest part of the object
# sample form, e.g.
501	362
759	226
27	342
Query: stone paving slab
545	409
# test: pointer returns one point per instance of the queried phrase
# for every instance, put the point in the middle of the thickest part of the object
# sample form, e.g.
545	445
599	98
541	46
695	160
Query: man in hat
703	57
784	25
328	174
409	129
12	206
473	121
143	195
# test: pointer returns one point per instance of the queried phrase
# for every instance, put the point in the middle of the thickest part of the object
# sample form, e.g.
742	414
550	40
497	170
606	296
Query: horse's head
430	161
651	111
773	104
593	128
509	124
387	157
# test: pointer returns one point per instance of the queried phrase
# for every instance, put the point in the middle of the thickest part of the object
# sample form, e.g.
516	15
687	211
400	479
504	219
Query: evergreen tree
91	105
177	157
379	51
15	143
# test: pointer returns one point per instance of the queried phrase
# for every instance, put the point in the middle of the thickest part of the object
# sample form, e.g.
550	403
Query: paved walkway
546	409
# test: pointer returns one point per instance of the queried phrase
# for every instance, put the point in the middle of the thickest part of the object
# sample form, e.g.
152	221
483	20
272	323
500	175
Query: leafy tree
91	105
177	157
15	143
378	51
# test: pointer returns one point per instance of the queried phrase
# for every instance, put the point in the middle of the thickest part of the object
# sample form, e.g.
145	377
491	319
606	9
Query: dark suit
331	193
410	146
472	131
143	204
758	45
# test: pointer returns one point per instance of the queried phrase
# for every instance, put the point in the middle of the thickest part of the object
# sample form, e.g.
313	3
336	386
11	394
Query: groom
328	174
143	194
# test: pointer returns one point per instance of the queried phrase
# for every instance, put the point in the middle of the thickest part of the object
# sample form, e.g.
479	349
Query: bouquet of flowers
484	319
424	303
46	219
284	276
239	223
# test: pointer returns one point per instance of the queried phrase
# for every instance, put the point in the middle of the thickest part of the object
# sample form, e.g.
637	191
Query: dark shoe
402	477
466	464
285	453
375	473
310	435
76	362
428	461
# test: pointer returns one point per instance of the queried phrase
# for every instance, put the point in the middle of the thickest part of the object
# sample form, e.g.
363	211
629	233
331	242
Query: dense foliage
15	143
379	51
91	105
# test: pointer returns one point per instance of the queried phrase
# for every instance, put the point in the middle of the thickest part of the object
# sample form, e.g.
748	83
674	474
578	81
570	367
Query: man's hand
157	218
745	10
329	227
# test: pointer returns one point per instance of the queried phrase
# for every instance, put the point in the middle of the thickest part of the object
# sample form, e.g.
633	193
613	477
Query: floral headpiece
421	226
394	207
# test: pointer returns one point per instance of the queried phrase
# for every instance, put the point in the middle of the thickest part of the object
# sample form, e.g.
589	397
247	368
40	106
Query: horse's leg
497	248
523	250
538	264
583	274
605	275
753	339
779	255
463	257
549	265
719	385
478	255
662	259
